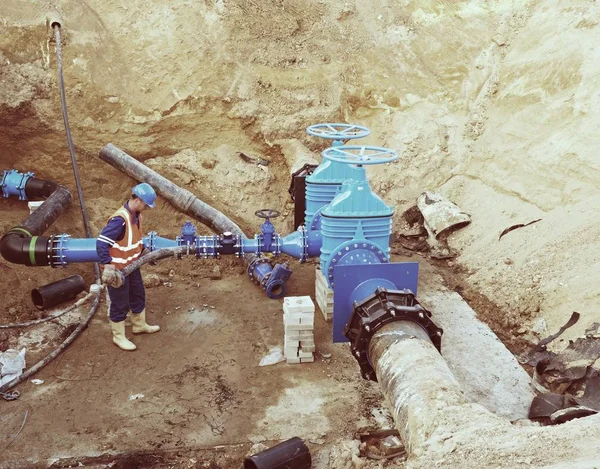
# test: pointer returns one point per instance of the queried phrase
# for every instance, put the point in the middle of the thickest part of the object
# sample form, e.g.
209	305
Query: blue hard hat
145	192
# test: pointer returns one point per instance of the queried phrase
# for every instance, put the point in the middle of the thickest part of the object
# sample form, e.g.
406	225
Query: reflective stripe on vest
128	249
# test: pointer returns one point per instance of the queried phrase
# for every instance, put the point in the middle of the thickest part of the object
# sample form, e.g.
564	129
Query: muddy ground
493	104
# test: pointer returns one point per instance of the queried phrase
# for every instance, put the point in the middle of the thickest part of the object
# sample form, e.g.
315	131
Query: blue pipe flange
259	274
206	247
13	183
58	249
152	240
238	246
304	241
338	131
360	155
354	253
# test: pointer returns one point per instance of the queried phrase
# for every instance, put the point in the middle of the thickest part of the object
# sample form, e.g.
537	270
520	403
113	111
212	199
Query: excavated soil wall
493	104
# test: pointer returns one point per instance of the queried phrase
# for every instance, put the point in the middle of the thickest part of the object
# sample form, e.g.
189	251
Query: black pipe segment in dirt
183	199
58	292
290	454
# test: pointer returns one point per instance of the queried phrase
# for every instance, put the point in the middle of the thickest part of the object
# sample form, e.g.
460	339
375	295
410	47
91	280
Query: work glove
112	277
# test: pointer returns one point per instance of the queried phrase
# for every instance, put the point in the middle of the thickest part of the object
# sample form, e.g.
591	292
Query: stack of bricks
324	295
299	323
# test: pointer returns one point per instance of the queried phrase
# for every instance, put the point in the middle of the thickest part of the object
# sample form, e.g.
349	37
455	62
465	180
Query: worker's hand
112	276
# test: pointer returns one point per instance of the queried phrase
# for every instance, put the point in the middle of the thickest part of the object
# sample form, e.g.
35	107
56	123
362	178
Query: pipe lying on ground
292	454
58	292
183	199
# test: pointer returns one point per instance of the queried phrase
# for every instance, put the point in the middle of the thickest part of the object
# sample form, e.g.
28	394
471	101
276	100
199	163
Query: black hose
63	103
154	256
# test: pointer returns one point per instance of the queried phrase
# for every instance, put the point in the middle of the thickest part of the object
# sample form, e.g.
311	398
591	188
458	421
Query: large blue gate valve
356	224
267	228
325	181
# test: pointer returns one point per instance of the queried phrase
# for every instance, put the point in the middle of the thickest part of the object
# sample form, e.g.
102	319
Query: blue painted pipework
13	183
298	244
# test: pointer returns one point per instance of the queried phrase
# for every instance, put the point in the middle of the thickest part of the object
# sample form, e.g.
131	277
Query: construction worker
118	245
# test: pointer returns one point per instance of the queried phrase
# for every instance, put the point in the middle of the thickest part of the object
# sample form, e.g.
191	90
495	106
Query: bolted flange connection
381	308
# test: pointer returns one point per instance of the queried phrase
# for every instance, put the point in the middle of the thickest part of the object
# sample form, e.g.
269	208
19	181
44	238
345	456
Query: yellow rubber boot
138	322
119	339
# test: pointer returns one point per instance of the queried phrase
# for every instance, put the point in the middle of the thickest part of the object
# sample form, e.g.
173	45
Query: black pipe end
58	292
290	454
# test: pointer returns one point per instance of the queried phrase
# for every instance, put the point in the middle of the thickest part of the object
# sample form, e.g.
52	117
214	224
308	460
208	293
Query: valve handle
338	131
267	213
360	155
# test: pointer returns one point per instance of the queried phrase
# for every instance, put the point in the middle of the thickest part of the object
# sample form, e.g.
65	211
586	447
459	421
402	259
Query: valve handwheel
267	213
360	155
338	131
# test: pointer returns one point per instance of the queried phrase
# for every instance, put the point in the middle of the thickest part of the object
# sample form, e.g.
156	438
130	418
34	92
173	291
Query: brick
291	343
323	296
290	352
298	327
298	304
299	318
307	360
293	360
307	343
305	354
306	348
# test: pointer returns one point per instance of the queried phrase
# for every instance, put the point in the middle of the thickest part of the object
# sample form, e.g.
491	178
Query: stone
216	273
151	280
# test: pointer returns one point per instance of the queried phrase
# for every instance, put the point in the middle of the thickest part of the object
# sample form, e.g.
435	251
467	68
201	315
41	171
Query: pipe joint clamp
381	308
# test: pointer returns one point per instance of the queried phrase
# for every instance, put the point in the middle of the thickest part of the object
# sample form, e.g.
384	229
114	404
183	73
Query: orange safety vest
128	249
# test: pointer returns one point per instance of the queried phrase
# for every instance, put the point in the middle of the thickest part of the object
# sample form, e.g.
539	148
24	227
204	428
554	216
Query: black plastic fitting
22	244
228	243
58	292
38	188
18	247
381	308
291	454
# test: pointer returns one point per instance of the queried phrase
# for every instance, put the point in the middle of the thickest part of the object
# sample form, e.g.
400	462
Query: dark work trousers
130	296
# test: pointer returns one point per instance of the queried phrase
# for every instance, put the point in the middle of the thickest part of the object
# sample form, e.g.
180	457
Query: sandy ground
493	104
